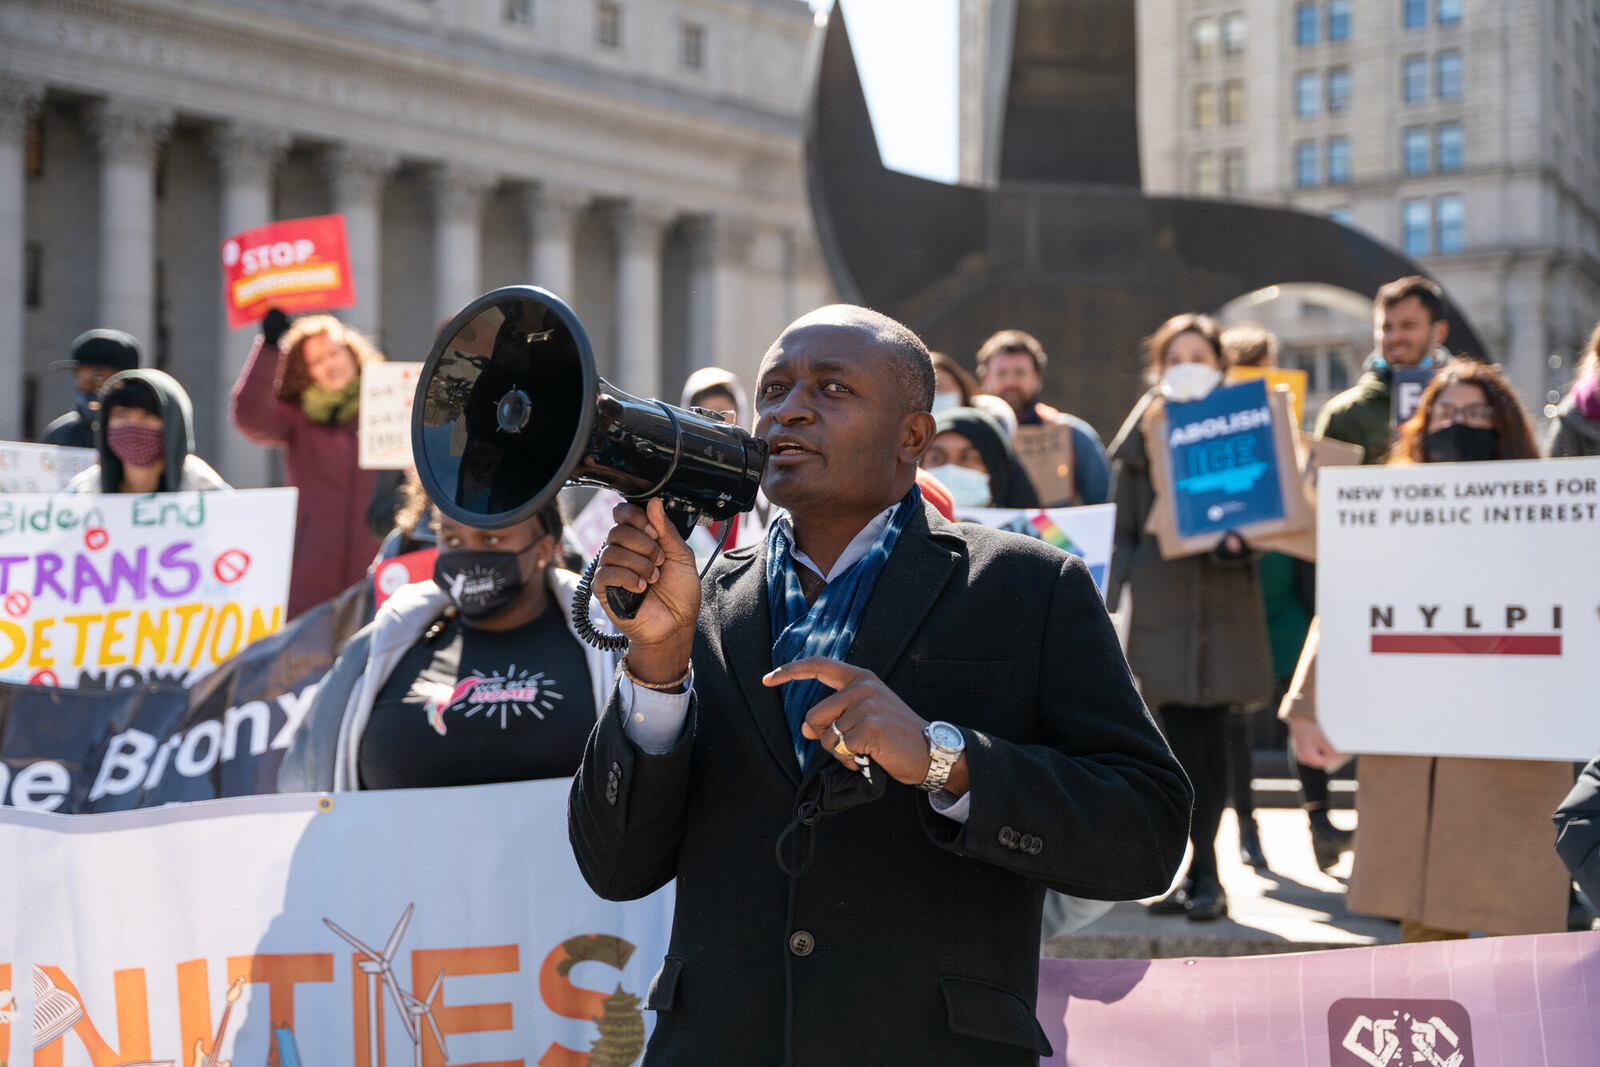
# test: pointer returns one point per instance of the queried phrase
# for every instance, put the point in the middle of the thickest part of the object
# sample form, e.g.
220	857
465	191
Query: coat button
616	770
801	943
1036	847
1026	844
1008	837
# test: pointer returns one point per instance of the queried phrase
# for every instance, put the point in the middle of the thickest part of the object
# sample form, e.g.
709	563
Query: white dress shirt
654	720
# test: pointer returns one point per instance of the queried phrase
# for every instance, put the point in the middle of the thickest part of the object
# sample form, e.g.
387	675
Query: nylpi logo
1399	1033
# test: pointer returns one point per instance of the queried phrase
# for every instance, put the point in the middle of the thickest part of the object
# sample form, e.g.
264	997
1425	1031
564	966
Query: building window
1203	38
1415	13
1305	93
1305	25
1203	181
1338	161
608	24
1415	222
1447	154
32	273
1234	179
1235	32
1338	20
1205	107
692	46
1305	164
1414	78
1450	216
1233	103
1339	89
519	12
1448	12
1414	150
1449	75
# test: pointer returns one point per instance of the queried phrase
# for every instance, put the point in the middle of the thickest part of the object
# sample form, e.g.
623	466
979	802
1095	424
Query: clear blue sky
907	52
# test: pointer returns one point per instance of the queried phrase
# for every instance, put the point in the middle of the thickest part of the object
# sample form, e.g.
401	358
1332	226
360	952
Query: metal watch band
938	769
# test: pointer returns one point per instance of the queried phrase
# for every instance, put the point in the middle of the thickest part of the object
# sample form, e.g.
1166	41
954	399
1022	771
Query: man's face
1404	333
88	379
1011	376
834	411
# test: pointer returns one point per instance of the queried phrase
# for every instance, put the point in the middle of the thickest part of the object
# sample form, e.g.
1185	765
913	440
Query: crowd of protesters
479	675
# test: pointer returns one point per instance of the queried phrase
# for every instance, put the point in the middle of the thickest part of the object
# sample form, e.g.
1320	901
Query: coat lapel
744	631
912	579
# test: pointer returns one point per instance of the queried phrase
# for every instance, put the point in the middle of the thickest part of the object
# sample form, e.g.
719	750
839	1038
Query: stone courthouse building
640	158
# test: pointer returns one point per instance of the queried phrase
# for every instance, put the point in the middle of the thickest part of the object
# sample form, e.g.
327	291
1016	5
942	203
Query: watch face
945	736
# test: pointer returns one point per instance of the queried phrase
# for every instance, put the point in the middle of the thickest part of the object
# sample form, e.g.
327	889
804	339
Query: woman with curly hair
1437	836
300	391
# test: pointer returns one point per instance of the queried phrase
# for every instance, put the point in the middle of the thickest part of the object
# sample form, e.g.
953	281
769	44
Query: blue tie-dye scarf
827	627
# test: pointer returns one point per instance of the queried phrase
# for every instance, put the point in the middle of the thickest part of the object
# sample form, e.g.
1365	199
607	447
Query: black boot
1207	901
1250	853
1328	842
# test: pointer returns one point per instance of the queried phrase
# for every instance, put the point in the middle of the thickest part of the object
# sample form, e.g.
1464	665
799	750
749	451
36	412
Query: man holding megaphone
865	747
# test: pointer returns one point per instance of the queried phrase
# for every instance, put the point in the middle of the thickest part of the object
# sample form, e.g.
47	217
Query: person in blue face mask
973	458
476	676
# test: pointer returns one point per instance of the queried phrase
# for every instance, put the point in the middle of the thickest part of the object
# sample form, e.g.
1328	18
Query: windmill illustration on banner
379	969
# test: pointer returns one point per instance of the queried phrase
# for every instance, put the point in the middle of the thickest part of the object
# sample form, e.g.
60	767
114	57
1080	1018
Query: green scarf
331	406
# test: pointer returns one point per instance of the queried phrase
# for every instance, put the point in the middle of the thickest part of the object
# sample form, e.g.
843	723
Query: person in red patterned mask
145	437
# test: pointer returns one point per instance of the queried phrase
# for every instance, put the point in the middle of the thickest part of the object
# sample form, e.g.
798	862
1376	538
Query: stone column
357	174
19	103
129	134
719	257
639	228
553	212
246	157
458	194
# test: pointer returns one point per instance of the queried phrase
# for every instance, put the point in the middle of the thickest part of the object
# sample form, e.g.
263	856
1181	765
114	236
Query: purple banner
1487	1002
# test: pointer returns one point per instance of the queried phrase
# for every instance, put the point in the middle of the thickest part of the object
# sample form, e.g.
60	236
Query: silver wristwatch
945	745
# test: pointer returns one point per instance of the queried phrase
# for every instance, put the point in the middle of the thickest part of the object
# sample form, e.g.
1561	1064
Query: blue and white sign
1086	532
1224	463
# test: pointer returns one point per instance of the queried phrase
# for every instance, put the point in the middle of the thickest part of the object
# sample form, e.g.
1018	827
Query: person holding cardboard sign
1198	642
1061	453
300	391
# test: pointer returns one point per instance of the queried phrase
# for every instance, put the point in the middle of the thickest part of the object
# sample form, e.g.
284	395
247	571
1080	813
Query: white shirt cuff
651	719
952	807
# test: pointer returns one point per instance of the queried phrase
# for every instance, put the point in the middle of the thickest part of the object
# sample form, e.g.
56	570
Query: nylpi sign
1458	616
294	265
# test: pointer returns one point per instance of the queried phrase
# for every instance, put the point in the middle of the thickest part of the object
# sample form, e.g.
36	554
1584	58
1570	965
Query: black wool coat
889	934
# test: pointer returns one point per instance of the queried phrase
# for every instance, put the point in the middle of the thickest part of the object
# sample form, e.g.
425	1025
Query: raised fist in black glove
274	326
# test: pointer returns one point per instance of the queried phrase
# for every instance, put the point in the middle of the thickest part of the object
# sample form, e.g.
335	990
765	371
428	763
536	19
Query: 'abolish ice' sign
1224	465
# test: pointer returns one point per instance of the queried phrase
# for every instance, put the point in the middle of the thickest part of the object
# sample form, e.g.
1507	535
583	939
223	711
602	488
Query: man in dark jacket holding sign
865	747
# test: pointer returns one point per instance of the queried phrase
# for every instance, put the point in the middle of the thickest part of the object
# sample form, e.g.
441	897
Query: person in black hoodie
145	436
94	357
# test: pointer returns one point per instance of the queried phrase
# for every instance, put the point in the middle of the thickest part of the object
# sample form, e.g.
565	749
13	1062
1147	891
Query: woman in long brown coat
1198	641
1449	845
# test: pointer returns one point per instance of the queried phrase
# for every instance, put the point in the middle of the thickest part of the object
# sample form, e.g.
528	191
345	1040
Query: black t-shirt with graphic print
473	706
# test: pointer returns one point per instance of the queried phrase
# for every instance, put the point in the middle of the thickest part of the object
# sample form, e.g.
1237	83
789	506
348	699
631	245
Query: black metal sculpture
1067	246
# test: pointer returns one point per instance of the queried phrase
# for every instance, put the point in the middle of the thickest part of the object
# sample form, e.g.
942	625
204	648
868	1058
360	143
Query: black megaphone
509	408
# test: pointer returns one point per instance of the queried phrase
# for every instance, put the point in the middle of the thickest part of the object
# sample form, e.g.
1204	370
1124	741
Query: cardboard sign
29	468
161	586
390	576
241	925
1086	532
1289	461
384	421
1405	391
1459	617
294	265
1296	381
1045	452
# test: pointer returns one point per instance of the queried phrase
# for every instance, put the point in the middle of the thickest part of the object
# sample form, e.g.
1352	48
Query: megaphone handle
625	602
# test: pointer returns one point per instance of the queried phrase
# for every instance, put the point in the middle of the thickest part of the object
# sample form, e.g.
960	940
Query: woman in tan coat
1448	845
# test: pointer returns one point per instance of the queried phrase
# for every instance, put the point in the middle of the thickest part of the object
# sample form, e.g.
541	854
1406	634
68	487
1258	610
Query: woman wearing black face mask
476	676
1446	845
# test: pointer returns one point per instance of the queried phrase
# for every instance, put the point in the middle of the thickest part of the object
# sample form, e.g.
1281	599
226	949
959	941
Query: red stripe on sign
1469	644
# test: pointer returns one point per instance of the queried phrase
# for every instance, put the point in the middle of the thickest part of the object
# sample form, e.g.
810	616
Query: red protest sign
401	570
295	265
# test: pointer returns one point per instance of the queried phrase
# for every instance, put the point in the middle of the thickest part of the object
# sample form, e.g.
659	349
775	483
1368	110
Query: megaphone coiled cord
583	595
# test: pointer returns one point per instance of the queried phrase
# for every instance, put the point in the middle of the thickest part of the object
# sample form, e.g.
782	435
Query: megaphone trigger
510	408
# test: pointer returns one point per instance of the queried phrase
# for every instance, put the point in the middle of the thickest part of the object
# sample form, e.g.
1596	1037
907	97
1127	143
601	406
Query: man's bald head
912	364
